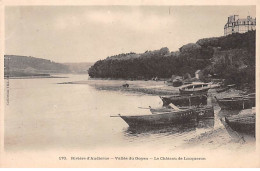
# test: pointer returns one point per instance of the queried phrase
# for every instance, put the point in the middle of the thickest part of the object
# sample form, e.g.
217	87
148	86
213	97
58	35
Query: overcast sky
90	33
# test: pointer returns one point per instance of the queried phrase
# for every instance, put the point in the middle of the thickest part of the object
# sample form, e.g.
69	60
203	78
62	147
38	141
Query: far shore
34	77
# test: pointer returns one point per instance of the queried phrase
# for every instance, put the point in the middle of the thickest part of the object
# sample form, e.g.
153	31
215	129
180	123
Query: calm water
42	114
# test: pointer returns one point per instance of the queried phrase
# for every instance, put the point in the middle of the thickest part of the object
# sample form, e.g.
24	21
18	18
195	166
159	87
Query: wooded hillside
230	57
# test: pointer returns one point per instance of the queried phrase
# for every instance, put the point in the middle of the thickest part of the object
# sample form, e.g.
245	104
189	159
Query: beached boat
242	123
204	112
160	118
237	102
185	100
224	88
201	112
187	82
195	88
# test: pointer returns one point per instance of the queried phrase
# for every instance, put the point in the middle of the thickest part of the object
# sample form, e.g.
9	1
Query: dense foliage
235	61
231	57
160	63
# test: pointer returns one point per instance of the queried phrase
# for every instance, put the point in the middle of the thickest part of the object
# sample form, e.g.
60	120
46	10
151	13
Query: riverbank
137	86
146	87
223	137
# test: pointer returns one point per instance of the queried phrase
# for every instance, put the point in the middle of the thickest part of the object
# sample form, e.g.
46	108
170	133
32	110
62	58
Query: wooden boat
205	123
160	118
242	123
185	100
201	112
222	88
204	112
195	88
237	102
187	82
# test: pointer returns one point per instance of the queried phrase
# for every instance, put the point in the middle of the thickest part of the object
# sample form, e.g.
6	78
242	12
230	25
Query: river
43	115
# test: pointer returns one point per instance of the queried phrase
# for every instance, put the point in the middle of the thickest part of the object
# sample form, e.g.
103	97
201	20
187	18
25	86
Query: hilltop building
237	25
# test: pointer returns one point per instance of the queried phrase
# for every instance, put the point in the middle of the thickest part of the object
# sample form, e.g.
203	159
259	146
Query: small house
198	74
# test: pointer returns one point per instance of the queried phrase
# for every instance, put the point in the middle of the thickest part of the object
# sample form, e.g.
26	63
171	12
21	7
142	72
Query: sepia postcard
129	84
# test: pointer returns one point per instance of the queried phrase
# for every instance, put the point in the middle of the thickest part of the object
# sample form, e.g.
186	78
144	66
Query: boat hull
185	100
206	112
219	90
202	112
236	103
202	91
243	123
222	89
167	118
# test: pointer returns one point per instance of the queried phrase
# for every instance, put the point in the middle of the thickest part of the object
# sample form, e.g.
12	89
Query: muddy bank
144	87
223	137
147	87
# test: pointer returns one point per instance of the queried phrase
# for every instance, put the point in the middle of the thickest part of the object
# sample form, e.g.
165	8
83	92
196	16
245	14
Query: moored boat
195	88
242	123
225	88
160	118
185	100
222	89
204	112
201	112
237	102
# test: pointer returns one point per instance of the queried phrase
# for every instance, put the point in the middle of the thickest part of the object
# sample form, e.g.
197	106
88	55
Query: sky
89	33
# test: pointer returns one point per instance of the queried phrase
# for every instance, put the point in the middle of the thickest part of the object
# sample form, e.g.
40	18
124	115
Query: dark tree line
150	64
231	57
